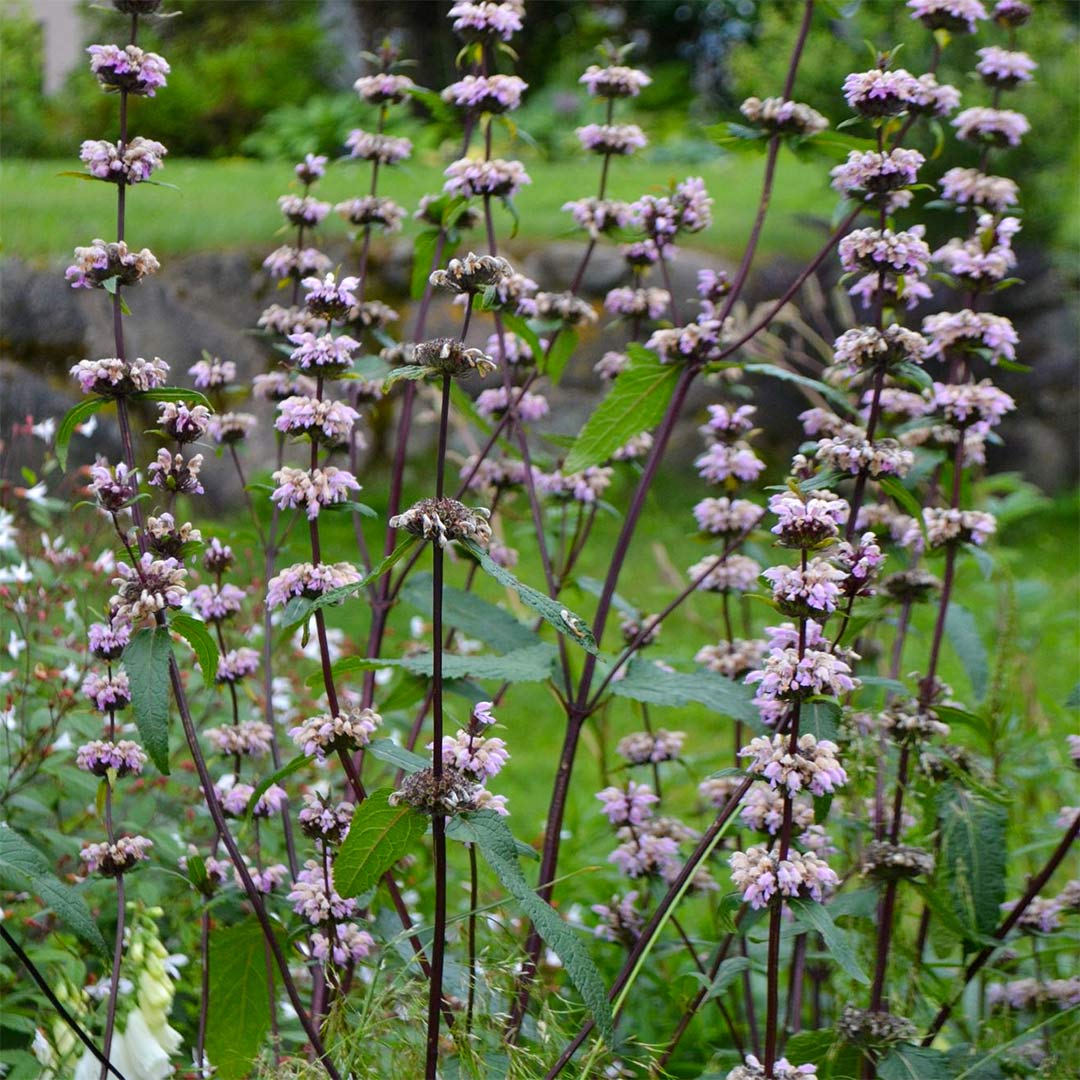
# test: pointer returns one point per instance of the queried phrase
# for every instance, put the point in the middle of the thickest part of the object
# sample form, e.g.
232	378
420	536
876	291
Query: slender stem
438	821
114	982
43	985
474	899
204	995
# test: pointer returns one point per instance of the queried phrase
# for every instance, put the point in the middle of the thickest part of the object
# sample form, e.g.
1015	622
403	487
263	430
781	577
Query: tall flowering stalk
151	583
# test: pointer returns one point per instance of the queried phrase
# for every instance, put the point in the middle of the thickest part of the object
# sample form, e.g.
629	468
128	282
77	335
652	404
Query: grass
232	203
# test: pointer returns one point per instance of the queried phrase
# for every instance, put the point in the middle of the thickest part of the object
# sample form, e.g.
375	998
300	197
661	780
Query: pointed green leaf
473	616
146	661
816	916
532	664
379	835
300	608
173	393
194	632
906	500
647	682
551	611
78	413
973	858
562	348
905	1061
497	845
635	403
835	397
395	755
962	630
239	999
727	973
24	869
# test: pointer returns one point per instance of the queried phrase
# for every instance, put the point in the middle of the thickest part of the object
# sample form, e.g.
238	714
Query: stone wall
210	301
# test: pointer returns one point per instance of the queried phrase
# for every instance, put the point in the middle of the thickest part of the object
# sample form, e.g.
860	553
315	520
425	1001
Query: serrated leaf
472	615
194	632
532	664
815	916
24	869
905	1061
653	685
379	835
497	845
79	413
972	863
820	717
551	611
395	755
635	403
146	661
459	828
962	630
239	999
838	399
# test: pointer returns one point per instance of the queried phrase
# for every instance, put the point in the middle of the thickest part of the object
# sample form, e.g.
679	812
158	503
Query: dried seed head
445	520
452	793
890	862
447	356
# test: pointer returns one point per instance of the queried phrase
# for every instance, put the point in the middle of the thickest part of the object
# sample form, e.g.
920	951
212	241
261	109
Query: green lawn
226	204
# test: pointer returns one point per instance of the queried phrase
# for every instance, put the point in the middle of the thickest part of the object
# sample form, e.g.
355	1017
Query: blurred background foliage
272	78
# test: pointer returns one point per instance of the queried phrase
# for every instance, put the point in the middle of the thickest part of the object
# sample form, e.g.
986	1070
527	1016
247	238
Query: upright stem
114	982
438	821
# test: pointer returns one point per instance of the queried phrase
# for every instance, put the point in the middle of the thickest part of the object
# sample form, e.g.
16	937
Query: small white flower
36	494
45	430
15	646
87	427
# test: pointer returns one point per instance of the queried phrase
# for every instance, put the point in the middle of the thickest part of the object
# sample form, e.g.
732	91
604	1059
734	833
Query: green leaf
728	972
838	399
412	372
239	999
173	393
146	661
1073	700
24	869
905	1061
532	664
595	587
459	828
497	845
635	403
912	374
424	246
194	632
267	782
379	835
810	1047
300	608
473	616
653	685
519	327
820	717
906	500
962	630
562	348
395	755
551	611
972	861
76	415
815	916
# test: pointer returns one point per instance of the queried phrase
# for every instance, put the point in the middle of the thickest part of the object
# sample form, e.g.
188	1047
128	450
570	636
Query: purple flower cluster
129	68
